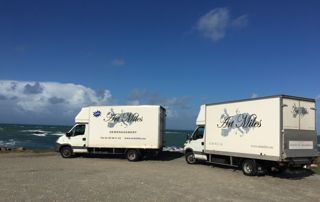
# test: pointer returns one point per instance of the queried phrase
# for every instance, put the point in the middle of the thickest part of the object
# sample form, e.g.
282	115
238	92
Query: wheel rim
131	156
66	152
247	168
191	158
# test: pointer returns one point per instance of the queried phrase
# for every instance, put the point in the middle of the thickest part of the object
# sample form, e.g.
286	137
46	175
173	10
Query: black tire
133	155
249	167
190	158
66	152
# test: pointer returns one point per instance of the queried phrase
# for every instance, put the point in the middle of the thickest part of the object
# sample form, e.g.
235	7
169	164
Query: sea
43	137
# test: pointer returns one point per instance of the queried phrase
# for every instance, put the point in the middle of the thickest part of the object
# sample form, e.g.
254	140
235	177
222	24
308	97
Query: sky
58	56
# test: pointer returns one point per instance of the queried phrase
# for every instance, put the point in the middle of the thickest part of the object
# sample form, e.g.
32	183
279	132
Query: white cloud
240	22
47	98
216	22
118	62
254	95
213	25
58	103
133	102
173	105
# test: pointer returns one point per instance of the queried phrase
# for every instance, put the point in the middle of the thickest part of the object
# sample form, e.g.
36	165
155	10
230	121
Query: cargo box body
244	128
126	127
272	128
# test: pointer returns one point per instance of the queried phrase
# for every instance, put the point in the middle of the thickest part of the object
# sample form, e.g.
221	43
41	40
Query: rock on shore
8	149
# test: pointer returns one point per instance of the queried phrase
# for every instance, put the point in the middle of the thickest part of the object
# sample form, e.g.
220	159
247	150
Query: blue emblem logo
97	113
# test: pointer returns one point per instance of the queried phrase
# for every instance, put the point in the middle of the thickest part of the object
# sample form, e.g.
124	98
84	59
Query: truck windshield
198	134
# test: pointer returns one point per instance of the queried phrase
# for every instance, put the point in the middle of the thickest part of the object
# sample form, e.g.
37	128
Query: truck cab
74	141
194	146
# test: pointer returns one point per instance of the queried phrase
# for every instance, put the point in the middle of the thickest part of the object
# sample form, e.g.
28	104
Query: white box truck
260	134
130	130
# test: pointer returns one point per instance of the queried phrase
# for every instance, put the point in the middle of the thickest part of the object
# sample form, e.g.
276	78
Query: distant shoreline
31	124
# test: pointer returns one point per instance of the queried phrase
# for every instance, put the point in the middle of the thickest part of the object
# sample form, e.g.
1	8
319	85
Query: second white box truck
267	133
130	130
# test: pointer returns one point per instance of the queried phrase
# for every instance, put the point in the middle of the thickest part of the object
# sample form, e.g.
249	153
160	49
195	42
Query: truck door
307	116
78	138
197	142
299	115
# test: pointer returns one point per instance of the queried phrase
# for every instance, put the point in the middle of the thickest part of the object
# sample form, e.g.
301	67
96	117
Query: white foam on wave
34	131
173	149
9	143
40	134
58	133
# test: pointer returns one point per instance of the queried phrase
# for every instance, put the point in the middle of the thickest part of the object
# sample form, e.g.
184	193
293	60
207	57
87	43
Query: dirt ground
48	177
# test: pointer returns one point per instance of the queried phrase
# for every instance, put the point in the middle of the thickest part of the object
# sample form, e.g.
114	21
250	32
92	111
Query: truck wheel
190	158
249	167
66	152
133	155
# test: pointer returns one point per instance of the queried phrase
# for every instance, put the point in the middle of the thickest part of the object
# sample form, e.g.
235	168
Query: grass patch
316	170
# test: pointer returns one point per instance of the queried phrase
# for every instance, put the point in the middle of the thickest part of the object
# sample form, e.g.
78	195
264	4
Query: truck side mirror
188	137
68	134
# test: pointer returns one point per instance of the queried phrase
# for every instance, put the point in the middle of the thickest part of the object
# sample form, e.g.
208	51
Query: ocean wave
9	143
173	149
38	132
43	133
170	132
176	132
34	131
58	133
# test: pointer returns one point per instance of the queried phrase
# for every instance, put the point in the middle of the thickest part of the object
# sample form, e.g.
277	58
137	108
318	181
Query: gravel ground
48	177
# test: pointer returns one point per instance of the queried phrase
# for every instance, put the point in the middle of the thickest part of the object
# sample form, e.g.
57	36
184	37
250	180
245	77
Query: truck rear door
299	128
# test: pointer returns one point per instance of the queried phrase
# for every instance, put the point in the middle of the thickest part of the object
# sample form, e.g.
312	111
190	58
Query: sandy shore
48	177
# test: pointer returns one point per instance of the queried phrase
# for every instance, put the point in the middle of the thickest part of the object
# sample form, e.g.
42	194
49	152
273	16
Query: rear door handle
202	143
84	139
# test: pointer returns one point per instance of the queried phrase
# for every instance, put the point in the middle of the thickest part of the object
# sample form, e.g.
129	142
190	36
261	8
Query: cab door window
79	130
198	134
